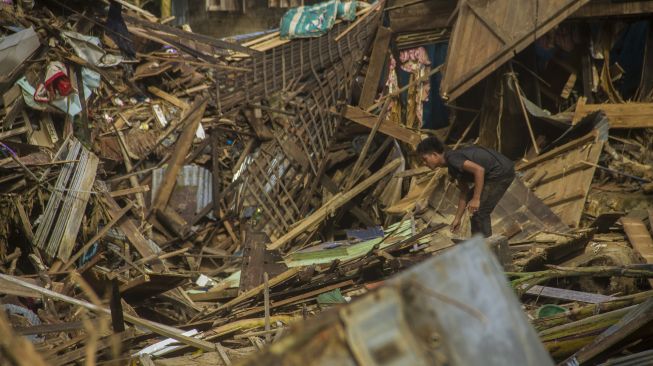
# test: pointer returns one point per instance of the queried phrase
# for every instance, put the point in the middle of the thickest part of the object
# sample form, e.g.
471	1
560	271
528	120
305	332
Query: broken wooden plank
570	295
569	172
334	203
375	67
254	117
620	115
411	15
169	98
392	129
49	328
131	231
639	238
176	161
282	277
128	191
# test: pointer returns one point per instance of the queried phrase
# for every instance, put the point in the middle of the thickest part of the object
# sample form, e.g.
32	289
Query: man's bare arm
479	180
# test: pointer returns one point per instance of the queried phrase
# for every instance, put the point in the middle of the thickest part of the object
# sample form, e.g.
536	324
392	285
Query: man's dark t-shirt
496	165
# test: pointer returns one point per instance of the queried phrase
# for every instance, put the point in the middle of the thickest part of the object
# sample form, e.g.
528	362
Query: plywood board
488	33
563	176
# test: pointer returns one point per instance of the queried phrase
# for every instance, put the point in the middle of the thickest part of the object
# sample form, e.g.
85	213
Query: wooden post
182	146
375	67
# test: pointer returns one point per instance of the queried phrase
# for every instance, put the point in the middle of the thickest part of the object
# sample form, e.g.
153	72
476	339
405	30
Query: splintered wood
164	192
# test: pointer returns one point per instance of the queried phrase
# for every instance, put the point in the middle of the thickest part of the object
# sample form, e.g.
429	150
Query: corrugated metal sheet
190	176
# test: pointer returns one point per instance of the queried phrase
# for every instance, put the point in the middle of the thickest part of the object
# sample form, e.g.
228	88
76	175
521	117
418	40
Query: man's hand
473	205
455	225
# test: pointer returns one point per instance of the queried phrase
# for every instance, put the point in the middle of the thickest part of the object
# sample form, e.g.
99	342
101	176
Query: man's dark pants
490	197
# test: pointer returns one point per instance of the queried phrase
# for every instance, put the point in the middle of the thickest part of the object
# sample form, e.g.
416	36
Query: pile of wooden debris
164	192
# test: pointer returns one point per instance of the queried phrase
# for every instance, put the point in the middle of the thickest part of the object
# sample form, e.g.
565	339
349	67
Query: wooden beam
128	191
182	146
620	115
334	203
169	98
639	238
375	67
389	128
609	8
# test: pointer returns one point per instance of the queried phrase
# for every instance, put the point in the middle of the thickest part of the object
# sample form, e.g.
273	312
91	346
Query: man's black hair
430	145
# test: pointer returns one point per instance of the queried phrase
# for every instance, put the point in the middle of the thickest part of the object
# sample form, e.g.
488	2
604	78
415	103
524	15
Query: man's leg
490	197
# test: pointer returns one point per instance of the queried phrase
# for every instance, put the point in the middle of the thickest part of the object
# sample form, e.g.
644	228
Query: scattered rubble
164	192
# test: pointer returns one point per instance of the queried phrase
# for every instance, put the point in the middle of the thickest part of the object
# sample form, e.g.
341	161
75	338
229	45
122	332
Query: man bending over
490	173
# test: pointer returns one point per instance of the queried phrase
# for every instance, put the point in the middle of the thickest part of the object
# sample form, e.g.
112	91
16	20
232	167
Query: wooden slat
78	206
498	29
130	230
375	68
639	238
391	129
622	115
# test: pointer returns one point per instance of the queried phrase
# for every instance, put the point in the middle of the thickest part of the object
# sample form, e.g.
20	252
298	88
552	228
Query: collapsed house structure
164	192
